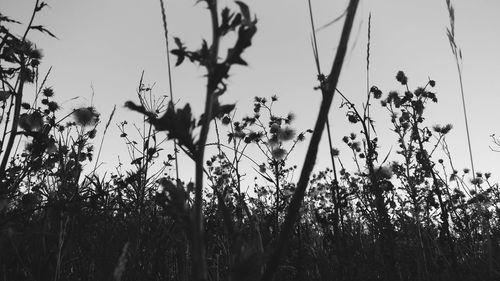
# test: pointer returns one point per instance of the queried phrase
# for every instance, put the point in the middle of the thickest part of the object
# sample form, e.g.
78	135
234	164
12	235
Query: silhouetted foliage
405	215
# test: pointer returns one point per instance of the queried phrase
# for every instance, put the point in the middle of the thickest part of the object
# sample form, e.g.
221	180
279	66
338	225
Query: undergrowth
406	215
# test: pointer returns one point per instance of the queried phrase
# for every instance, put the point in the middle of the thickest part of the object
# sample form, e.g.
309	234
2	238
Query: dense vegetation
404	216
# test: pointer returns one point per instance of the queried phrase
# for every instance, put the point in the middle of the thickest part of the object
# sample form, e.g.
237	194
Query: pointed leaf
178	42
244	11
180	56
40	7
43	30
7	19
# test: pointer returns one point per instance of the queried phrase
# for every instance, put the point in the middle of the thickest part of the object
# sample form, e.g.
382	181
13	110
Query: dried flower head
86	116
31	122
48	92
262	168
226	120
384	172
476	181
301	137
278	153
274	128
401	77
352	118
286	134
53	106
377	93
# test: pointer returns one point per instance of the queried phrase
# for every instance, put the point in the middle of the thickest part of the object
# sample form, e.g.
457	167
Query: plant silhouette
408	214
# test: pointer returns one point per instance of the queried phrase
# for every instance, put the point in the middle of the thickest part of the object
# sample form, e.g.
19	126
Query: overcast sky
108	43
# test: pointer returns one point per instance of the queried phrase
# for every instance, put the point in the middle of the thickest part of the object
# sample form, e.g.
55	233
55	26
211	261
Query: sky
106	44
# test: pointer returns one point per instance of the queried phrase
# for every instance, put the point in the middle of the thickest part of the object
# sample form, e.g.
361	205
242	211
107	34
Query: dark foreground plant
405	215
180	124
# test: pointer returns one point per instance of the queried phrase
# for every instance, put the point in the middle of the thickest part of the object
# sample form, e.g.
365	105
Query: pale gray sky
107	43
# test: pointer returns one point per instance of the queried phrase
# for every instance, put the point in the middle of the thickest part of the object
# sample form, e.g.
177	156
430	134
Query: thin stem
102	139
165	29
367	108
465	117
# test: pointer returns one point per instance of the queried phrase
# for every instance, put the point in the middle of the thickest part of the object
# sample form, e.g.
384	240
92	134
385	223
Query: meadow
409	214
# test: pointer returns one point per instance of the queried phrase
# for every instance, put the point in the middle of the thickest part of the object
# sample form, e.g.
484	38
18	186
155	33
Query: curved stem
165	29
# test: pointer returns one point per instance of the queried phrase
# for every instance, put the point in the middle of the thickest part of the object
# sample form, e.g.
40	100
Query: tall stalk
457	54
199	251
298	196
436	184
335	185
180	124
171	92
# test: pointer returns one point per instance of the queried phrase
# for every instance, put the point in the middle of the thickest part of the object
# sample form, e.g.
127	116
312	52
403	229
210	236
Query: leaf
245	35
218	111
131	105
43	30
225	21
244	11
136	161
204	53
179	44
332	21
40	7
236	21
7	19
226	16
235	58
180	56
179	123
174	199
264	176
4	95
387	156
224	109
